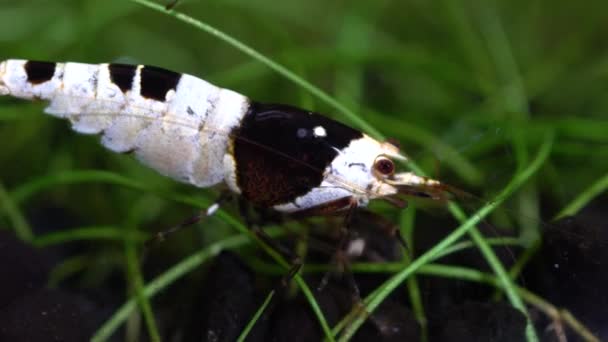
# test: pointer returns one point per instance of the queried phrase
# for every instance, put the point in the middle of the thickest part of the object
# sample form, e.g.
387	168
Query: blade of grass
584	197
452	272
18	222
472	46
288	74
292	77
489	254
255	317
407	219
373	300
514	102
463	273
28	189
457	247
165	279
74	177
187	265
137	282
417	306
558	315
133	270
88	233
298	279
503	276
66	268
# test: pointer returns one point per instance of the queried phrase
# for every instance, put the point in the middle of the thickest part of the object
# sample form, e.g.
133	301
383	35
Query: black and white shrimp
274	156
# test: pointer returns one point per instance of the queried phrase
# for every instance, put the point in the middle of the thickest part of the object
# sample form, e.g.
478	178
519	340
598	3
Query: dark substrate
216	303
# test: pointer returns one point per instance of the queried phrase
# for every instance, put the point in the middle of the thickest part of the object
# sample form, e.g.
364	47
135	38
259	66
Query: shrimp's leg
294	261
210	211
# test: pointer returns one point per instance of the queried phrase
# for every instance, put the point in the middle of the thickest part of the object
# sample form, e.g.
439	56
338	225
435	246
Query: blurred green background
467	87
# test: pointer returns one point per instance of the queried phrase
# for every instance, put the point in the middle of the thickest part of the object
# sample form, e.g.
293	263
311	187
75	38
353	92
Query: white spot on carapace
319	131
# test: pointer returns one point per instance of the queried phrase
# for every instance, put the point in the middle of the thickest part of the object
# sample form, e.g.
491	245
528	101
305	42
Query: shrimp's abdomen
175	123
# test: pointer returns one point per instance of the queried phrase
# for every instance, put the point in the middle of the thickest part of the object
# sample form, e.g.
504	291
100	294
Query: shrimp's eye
384	166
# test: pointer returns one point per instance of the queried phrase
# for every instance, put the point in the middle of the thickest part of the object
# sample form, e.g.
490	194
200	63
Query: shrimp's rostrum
275	156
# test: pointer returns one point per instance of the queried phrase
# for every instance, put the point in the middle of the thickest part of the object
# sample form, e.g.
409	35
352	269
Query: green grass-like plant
473	67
